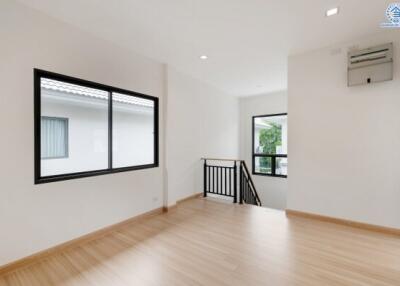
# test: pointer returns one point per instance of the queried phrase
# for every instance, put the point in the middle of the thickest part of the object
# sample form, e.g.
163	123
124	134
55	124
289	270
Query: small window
90	129
54	134
270	145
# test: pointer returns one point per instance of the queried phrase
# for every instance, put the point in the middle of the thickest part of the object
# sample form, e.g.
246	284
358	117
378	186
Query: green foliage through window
269	140
266	165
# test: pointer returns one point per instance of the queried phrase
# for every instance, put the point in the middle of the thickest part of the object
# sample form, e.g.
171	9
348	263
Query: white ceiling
247	41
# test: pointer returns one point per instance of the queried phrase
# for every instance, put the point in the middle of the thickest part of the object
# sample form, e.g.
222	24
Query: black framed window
90	129
270	145
54	134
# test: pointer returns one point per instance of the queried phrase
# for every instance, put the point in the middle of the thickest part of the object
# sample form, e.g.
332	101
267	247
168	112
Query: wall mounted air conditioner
370	65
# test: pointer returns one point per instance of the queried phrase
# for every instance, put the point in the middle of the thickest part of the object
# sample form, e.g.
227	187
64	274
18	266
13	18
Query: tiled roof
56	85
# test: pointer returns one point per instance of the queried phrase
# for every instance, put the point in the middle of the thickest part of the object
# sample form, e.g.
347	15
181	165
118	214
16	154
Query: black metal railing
222	179
248	193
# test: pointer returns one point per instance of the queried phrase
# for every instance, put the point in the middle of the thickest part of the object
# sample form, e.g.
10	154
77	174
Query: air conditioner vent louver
370	65
369	56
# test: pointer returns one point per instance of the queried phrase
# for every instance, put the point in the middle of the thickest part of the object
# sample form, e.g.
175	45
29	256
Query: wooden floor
204	242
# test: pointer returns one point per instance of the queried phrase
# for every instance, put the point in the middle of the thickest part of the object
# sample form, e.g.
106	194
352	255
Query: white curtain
54	137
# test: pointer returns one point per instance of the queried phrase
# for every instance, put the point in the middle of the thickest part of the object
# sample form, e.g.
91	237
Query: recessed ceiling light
203	57
332	12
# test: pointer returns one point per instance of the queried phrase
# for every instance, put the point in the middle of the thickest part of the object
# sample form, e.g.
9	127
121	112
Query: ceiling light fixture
203	57
332	12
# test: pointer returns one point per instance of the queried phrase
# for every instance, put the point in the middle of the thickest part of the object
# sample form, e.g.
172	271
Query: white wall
133	137
33	218
344	141
206	122
272	191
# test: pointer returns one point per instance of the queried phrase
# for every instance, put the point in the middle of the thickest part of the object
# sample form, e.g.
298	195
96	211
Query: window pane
263	165
281	166
54	134
133	131
87	113
270	135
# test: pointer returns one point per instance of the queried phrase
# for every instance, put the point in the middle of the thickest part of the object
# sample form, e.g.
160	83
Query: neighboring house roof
92	92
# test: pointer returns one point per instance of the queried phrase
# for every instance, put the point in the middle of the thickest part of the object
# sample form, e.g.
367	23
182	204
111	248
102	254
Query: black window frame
38	179
273	157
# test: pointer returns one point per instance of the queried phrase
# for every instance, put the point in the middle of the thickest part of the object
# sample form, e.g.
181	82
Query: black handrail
223	181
